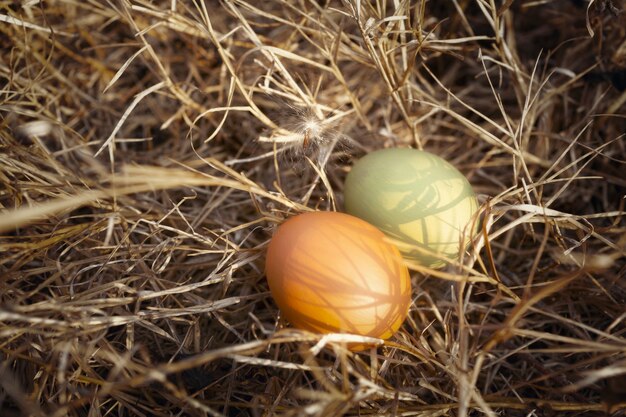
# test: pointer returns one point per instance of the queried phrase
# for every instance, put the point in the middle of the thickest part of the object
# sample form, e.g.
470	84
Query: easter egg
417	198
334	273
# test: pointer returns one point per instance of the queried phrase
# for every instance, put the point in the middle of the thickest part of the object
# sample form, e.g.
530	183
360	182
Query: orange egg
332	272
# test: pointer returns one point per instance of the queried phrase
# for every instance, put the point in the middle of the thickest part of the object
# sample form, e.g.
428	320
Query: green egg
417	198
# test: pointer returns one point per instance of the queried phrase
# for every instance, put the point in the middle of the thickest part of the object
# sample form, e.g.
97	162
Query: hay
149	148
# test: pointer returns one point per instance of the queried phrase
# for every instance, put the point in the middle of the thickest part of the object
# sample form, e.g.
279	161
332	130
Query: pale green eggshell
417	198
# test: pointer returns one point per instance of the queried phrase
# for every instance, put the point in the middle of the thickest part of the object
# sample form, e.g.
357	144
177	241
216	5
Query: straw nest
148	149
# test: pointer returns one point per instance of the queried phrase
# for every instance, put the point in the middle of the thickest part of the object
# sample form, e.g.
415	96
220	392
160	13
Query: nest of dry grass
149	148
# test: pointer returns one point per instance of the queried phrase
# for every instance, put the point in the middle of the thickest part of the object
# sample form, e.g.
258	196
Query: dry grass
149	148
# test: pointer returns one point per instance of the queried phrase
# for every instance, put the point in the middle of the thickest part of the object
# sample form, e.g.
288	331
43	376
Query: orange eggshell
332	272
